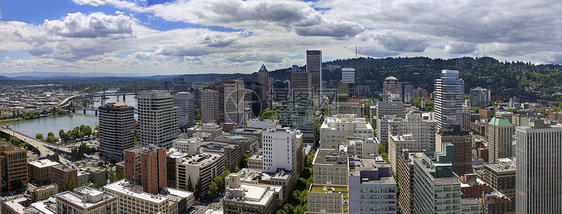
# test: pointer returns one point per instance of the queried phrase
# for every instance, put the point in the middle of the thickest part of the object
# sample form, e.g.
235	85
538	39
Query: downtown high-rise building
449	95
479	97
348	75
280	149
406	92
146	166
302	84
390	89
209	106
500	139
462	140
538	176
263	79
234	92
185	102
116	130
158	119
314	67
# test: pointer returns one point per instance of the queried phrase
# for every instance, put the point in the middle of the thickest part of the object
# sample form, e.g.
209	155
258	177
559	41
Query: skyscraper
449	95
479	97
116	130
348	75
185	102
390	89
314	68
462	140
302	84
538	176
158	119
279	149
263	79
500	137
209	106
234	101
406	92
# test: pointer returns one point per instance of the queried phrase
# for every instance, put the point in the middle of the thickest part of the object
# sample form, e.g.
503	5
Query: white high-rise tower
449	95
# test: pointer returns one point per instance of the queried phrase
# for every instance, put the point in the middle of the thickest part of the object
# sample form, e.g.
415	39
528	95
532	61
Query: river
66	122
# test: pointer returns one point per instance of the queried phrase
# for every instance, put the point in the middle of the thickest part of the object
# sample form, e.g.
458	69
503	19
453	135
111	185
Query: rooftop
201	159
43	163
329	157
125	187
86	197
499	122
324	188
252	194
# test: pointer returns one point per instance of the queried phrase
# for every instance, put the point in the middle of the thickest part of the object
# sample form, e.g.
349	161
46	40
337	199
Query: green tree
198	188
189	184
97	184
15	141
477	110
39	136
51	139
50	134
244	163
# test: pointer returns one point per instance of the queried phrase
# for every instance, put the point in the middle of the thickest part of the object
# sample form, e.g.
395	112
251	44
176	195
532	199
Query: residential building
279	149
132	199
146	166
42	192
14	166
473	187
327	198
500	139
449	96
348	108
199	168
348	75
406	92
479	97
87	200
250	144
189	145
372	189
247	198
158	119
63	176
116	130
39	171
185	102
436	188
314	68
462	140
209	106
422	131
501	177
538	174
234	104
420	92
282	182
405	176
213	129
233	153
330	166
390	89
398	143
337	129
364	147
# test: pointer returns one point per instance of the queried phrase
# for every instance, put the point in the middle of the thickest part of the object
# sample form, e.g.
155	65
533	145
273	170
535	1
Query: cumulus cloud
460	48
331	29
252	57
402	42
90	26
94	3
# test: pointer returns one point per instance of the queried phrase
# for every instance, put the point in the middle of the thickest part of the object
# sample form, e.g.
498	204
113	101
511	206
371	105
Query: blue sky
147	37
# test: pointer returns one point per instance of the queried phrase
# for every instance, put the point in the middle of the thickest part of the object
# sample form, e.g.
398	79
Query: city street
32	141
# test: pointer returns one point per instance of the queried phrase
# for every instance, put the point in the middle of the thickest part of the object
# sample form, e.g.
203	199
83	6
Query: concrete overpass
32	141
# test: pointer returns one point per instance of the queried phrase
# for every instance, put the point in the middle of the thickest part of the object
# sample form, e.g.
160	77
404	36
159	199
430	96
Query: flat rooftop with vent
86	198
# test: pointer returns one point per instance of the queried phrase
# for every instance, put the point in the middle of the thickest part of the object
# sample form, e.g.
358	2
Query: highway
34	142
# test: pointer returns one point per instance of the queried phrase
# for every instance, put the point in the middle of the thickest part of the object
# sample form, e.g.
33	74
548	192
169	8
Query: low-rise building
211	128
86	200
132	199
327	198
63	175
249	132
39	171
41	192
256	161
188	145
247	198
15	206
367	147
250	144
372	189
233	153
199	168
336	130
501	177
497	202
330	166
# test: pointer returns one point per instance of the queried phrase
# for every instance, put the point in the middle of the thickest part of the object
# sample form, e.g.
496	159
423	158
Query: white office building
336	130
348	75
279	149
423	131
538	176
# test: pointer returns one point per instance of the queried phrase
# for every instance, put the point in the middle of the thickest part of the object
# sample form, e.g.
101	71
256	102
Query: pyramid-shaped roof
262	69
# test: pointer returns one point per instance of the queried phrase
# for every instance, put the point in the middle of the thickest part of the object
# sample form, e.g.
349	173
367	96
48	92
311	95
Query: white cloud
90	2
90	26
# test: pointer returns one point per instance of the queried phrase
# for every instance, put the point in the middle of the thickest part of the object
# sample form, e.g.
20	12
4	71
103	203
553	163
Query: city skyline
186	37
